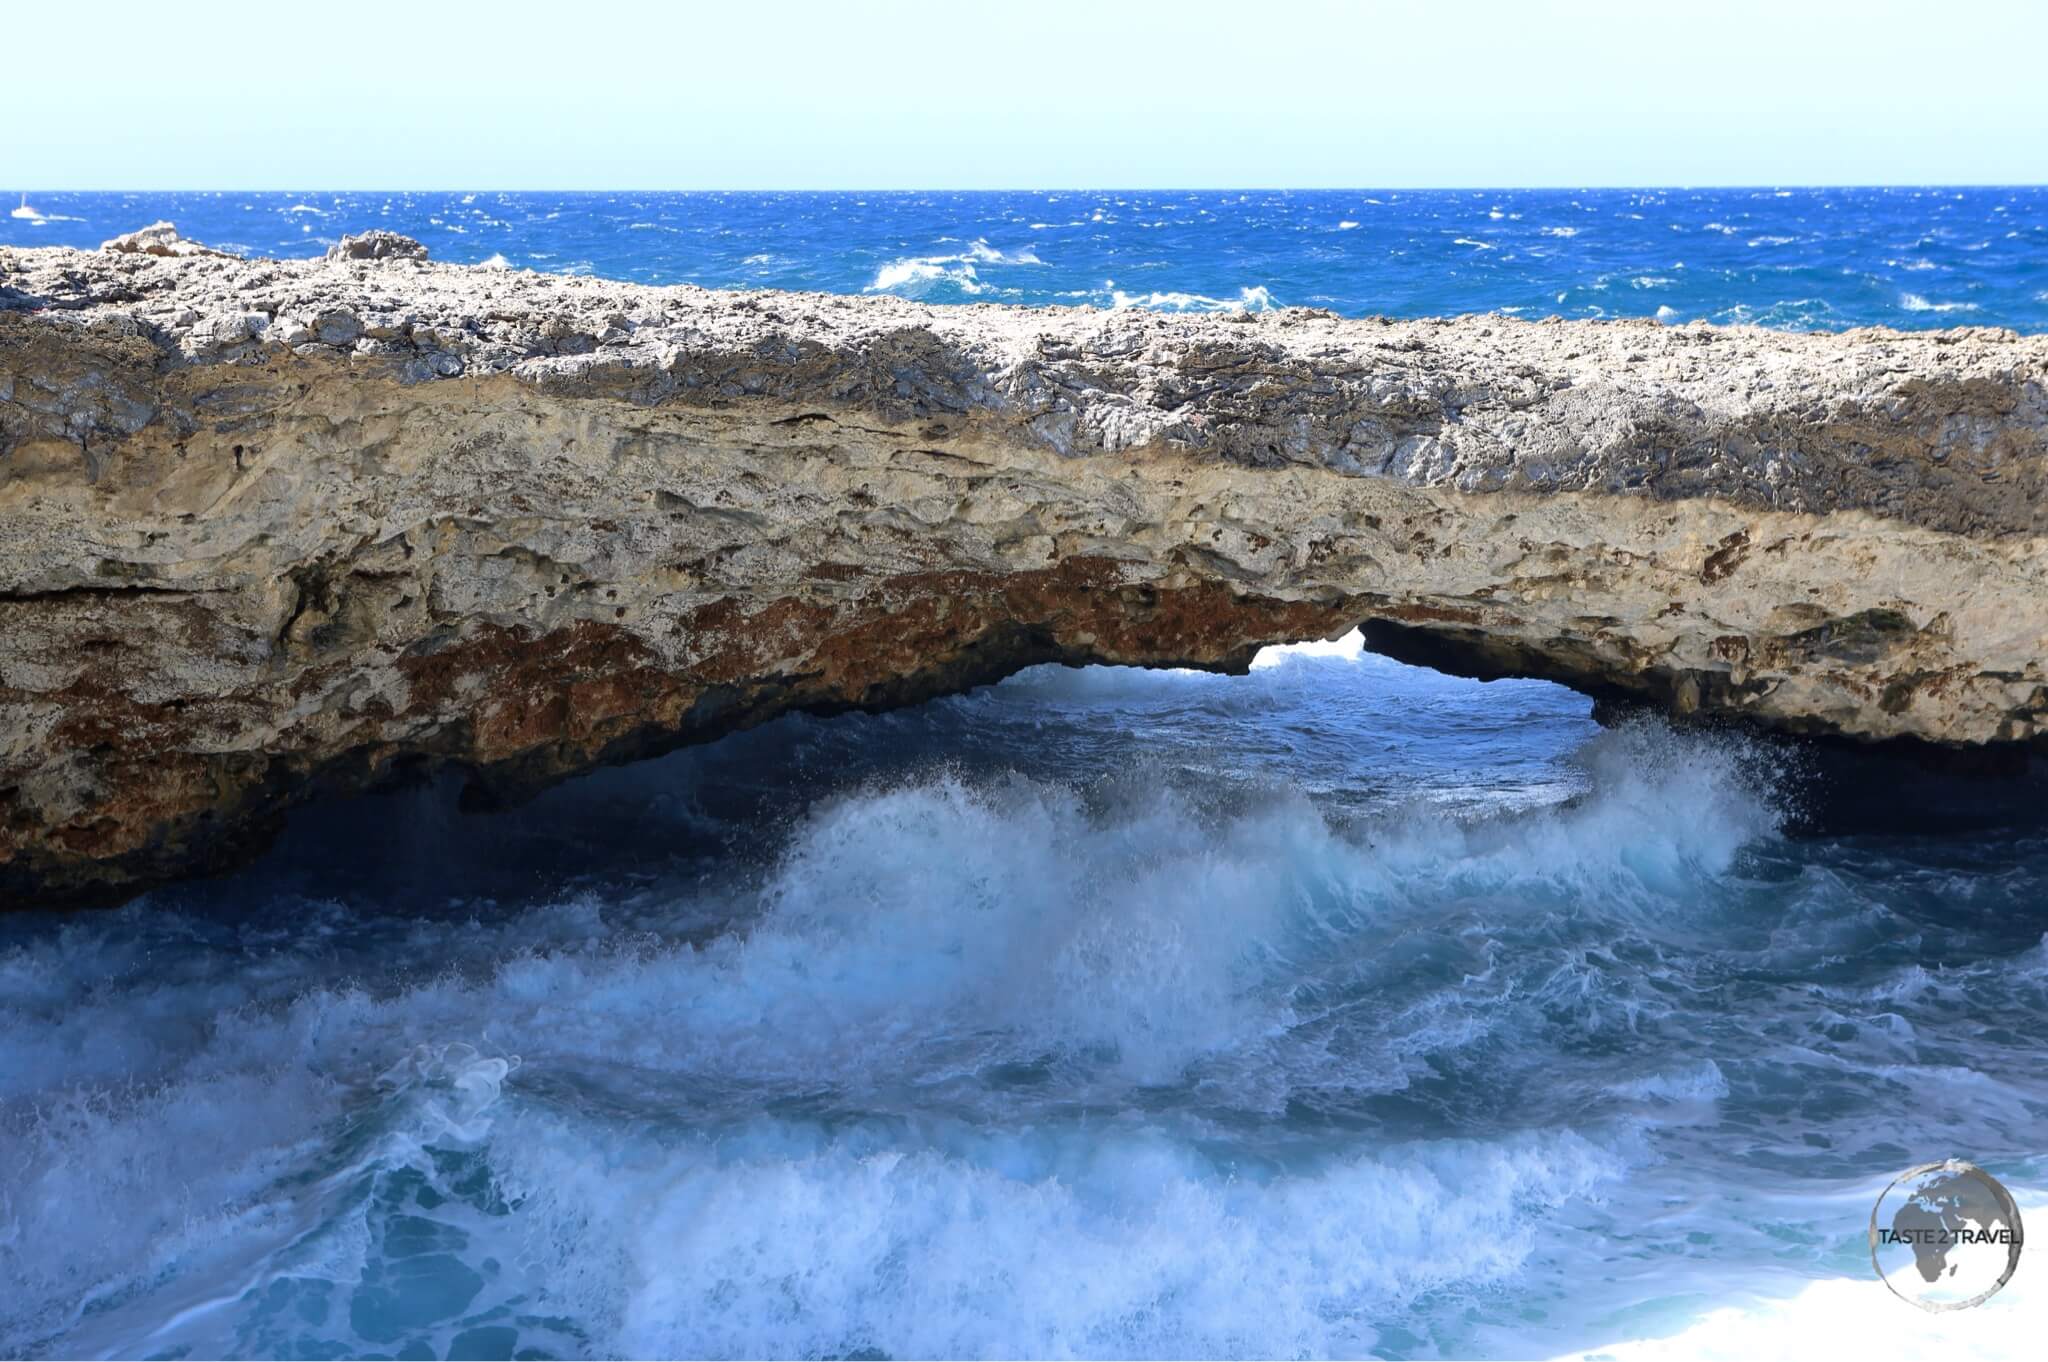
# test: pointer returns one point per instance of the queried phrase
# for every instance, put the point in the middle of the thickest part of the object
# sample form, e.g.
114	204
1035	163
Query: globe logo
1945	1236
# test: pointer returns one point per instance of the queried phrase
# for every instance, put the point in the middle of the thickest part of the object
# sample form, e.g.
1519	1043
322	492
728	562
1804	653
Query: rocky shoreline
271	529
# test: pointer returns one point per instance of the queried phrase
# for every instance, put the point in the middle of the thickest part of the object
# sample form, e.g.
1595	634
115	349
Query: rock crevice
269	528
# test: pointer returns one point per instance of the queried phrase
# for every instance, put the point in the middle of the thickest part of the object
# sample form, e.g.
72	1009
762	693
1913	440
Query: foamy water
1340	1008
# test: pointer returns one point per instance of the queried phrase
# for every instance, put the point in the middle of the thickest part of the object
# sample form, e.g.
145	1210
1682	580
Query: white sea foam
907	275
933	929
1253	299
1913	302
773	1245
919	275
1847	1316
979	1064
901	920
1348	647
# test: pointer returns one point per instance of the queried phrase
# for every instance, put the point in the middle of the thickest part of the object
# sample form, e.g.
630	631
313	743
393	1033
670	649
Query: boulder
377	245
159	238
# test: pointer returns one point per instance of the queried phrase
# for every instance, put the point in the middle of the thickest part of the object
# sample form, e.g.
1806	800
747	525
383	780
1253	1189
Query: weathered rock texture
159	238
274	528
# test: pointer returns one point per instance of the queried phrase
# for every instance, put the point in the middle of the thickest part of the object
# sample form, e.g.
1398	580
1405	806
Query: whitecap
916	275
1913	302
1254	299
920	274
980	250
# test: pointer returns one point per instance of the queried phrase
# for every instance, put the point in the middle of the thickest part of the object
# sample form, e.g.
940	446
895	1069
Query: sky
789	94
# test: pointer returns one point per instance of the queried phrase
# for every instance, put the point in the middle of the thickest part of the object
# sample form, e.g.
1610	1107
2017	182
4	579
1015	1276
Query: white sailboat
26	212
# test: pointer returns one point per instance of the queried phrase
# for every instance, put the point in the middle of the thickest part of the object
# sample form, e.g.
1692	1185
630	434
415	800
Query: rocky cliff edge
276	528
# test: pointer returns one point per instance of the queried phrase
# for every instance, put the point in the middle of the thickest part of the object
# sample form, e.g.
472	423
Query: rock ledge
269	528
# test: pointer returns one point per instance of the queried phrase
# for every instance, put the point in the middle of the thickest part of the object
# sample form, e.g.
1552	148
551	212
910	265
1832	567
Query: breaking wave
1253	299
939	935
1164	1054
920	276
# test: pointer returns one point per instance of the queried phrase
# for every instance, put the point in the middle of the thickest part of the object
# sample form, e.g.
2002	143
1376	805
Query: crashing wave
915	276
1253	299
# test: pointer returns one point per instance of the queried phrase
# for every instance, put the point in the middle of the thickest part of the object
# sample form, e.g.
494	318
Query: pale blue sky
1197	93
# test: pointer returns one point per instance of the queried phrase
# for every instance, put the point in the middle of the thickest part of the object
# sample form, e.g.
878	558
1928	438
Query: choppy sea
1799	258
1343	1008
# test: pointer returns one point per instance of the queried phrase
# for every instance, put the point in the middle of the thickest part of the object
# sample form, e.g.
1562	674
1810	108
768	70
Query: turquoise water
1801	258
1339	1009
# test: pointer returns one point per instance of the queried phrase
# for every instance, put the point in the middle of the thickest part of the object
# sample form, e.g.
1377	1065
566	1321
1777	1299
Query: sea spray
1333	1008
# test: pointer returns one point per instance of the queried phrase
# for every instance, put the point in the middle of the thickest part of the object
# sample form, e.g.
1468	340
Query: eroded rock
377	245
275	527
159	239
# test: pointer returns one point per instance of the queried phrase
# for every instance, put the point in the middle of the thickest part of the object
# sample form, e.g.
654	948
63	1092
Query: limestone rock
159	238
377	245
276	527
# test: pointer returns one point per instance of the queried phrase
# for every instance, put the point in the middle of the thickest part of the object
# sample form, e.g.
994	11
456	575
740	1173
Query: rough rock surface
270	528
377	245
159	238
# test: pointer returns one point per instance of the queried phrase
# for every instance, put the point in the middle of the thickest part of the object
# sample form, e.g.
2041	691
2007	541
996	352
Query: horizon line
1084	189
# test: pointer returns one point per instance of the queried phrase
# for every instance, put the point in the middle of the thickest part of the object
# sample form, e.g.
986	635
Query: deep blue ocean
1340	1009
1797	258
